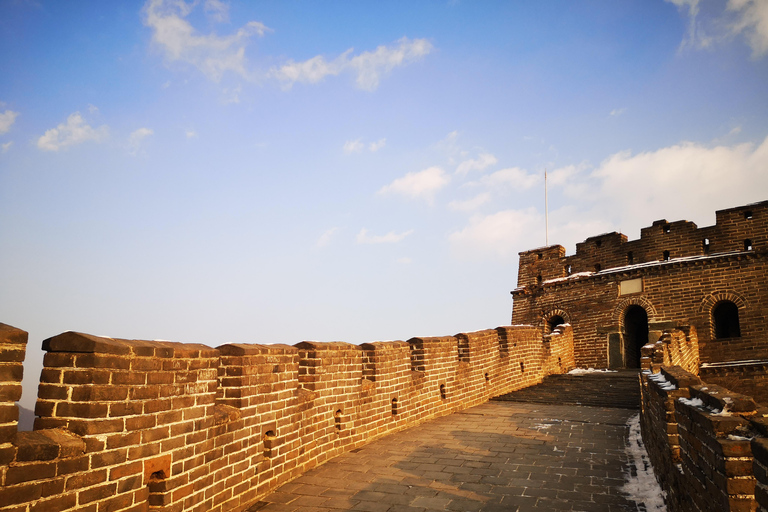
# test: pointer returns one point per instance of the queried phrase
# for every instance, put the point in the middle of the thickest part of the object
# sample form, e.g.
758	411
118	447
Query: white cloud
423	184
325	238
499	235
687	180
617	111
6	146
741	17
74	131
357	145
353	146
512	176
7	119
191	134
375	146
478	164
217	10
695	36
752	21
470	204
134	140
213	55
364	238
369	66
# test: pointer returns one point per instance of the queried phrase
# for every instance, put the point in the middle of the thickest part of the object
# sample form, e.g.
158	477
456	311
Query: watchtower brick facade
618	295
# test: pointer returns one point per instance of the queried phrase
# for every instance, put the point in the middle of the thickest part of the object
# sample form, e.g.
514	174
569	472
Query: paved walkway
499	456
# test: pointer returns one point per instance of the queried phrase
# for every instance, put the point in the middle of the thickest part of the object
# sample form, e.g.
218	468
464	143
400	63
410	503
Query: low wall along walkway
128	426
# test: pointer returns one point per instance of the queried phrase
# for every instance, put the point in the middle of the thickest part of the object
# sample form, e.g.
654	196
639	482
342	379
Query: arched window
725	317
554	322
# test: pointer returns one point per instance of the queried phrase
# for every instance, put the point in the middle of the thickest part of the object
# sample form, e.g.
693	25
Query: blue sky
272	172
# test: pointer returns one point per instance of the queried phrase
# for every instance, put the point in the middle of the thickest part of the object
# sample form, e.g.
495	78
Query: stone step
620	389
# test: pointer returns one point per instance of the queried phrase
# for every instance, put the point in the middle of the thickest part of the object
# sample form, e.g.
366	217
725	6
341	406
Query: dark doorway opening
635	335
726	317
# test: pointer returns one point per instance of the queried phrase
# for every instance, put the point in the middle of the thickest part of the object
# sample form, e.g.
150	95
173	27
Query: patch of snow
663	383
698	403
643	487
583	371
572	276
693	402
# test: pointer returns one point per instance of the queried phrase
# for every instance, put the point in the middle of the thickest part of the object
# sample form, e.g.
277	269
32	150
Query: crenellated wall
708	445
129	426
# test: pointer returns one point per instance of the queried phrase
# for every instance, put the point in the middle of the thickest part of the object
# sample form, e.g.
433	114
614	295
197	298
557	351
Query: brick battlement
708	445
130	425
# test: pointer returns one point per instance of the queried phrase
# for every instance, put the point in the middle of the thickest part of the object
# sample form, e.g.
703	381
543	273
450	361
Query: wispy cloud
134	140
752	22
6	146
695	35
375	146
390	238
617	111
369	67
512	177
74	131
213	55
748	18
353	146
326	237
7	119
471	204
357	146
419	185
478	164
497	235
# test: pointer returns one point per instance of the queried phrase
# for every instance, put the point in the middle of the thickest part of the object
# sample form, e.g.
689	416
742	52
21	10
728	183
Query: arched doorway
635	335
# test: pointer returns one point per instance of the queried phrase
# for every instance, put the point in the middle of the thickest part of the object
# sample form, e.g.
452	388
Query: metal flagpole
546	211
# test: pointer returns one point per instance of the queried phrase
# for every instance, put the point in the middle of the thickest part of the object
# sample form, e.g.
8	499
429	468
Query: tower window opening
666	255
539	256
599	243
598	267
705	245
554	322
725	316
667	228
538	279
630	258
748	215
568	269
747	244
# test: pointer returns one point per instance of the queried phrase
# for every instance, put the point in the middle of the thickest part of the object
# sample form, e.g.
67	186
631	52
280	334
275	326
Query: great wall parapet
129	425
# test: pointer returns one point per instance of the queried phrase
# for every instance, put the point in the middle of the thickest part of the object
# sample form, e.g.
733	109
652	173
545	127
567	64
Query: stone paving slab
499	456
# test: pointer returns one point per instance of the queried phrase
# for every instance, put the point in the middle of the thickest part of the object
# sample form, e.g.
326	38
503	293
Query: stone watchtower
619	294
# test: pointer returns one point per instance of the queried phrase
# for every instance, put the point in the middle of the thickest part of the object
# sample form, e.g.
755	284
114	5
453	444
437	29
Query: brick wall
676	292
675	347
707	443
129	426
746	377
